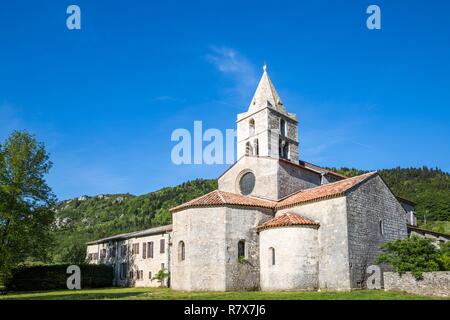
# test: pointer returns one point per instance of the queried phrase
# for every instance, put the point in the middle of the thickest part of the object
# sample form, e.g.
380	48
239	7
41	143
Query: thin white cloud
233	64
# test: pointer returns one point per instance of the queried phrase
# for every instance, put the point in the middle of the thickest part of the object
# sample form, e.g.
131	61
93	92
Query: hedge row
53	277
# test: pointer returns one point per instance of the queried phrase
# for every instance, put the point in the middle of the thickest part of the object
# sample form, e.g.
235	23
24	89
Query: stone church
275	222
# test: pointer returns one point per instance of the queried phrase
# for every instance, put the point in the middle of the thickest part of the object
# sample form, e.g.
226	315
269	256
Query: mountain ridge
88	218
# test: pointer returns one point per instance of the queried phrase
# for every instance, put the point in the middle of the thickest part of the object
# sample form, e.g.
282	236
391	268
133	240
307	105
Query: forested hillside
88	218
429	188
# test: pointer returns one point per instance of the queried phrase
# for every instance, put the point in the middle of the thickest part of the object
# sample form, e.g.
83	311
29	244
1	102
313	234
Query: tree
25	201
416	255
444	258
161	276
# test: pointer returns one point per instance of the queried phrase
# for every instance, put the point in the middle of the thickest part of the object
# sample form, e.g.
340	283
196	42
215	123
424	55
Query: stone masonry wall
432	284
240	224
261	129
333	257
293	179
135	263
296	258
265	171
203	232
371	207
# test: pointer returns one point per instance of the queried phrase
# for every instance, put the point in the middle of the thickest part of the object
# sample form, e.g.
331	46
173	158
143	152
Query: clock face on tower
247	183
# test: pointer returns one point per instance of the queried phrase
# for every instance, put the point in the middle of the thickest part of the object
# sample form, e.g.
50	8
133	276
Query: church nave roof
219	198
326	191
286	220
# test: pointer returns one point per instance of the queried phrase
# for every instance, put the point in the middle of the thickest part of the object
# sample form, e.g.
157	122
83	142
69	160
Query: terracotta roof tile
288	219
217	198
326	191
331	190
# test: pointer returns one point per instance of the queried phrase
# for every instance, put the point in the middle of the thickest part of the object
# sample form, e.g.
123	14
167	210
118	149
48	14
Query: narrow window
181	251
241	249
142	274
162	246
248	149
162	266
256	147
144	250
150	249
251	128
285	151
150	275
103	254
123	271
381	228
280	148
272	256
283	127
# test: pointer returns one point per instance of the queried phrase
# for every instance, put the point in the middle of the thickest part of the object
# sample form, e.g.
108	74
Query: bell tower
267	129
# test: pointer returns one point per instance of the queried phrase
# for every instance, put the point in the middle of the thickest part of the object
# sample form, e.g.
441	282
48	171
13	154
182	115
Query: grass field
167	294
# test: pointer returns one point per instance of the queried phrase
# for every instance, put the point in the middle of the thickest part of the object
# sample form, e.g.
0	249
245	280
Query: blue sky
105	99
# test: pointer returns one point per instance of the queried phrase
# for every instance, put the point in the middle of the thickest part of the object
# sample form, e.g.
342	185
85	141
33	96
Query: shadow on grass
167	294
88	294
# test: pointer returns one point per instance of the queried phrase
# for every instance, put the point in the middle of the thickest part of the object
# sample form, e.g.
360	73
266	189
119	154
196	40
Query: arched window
282	127
181	251
381	227
272	256
256	147
241	249
251	127
248	149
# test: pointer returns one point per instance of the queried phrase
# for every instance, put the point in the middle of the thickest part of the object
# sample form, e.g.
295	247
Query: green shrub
416	255
161	276
53	277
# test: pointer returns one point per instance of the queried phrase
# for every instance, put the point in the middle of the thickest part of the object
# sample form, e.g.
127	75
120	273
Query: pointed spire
265	94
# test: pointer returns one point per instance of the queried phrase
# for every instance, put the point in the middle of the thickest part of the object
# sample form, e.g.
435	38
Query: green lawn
167	294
